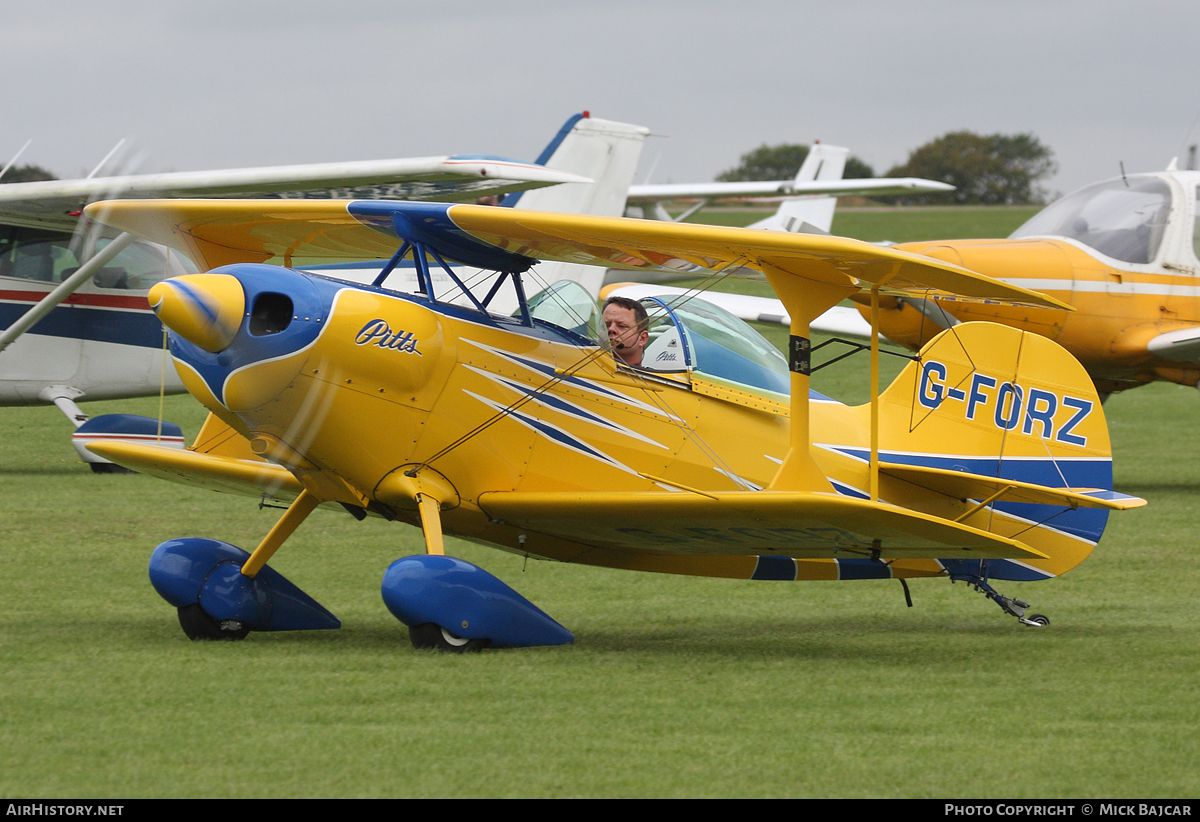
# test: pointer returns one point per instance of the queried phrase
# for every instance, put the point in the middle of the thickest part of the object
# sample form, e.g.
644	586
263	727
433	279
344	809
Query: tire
1039	619
108	468
432	635
197	624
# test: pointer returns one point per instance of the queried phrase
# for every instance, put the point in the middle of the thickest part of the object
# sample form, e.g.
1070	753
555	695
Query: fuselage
103	340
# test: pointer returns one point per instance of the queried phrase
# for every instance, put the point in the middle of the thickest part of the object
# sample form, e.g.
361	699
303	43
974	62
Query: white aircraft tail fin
810	215
608	153
603	150
823	163
802	215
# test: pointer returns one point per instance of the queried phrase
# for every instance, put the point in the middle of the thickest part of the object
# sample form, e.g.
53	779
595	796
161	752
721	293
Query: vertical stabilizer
603	150
810	215
994	401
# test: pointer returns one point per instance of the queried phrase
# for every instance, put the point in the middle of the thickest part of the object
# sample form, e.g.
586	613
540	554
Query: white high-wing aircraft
810	199
76	323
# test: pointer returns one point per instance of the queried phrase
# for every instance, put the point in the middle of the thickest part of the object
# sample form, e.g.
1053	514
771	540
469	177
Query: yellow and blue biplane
987	458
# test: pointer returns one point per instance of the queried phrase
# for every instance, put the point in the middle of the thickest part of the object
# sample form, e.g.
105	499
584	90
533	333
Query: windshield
566	304
718	345
1123	219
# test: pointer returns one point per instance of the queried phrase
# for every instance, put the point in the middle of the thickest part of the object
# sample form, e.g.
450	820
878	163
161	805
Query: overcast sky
222	84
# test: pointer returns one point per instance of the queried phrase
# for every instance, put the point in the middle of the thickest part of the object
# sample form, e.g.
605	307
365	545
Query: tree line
992	169
32	173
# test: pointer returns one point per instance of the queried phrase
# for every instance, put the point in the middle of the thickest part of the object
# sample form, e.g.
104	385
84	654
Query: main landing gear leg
1012	607
222	592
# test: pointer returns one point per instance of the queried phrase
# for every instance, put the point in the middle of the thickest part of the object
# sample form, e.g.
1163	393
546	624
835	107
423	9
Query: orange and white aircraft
1125	253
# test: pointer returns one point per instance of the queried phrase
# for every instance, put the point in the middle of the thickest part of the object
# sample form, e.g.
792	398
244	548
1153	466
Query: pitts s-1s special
986	459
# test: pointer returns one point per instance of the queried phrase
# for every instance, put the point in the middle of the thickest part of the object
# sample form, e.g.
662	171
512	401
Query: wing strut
65	289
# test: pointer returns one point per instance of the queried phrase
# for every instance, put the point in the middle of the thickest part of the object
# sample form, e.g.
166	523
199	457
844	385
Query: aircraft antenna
4	170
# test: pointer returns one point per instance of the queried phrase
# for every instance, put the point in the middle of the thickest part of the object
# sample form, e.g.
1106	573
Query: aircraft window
36	254
140	265
1196	227
720	345
566	304
52	256
1123	220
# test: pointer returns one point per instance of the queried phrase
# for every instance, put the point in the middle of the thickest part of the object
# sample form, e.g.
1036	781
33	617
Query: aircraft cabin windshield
52	256
1122	219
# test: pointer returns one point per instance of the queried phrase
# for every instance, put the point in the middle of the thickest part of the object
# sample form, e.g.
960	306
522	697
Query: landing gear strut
1010	606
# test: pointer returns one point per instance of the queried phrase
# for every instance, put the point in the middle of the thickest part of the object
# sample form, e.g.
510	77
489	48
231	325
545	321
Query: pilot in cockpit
627	324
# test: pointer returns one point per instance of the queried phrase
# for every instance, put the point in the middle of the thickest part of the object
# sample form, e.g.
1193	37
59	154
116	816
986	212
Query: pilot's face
627	341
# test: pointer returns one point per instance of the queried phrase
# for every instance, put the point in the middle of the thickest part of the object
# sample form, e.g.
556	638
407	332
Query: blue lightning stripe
576	382
565	407
553	433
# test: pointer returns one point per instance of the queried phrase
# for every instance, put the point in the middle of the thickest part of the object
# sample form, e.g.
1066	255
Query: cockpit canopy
1123	219
708	340
686	336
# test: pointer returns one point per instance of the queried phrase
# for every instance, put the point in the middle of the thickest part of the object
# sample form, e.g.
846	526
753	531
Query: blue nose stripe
194	300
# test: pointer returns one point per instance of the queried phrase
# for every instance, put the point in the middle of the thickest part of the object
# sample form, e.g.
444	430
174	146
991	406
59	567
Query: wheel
108	468
432	635
1039	619
199	625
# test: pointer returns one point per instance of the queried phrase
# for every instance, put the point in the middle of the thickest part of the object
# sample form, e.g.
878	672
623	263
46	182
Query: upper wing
55	203
215	233
869	187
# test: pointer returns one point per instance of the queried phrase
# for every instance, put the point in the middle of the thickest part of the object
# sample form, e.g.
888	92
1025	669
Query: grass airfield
676	686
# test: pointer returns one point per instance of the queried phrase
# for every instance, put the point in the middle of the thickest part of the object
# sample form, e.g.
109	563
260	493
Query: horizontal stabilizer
462	177
795	524
872	187
977	486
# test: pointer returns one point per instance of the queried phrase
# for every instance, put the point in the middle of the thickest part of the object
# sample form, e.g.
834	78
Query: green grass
675	686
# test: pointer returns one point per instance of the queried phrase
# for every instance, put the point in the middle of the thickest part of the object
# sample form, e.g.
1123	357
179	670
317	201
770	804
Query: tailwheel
1011	606
432	635
197	624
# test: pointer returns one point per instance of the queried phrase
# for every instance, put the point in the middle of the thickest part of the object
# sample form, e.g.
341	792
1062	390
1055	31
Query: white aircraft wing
56	203
867	187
